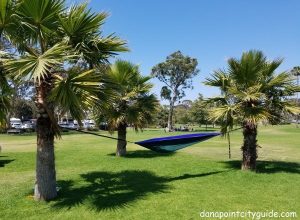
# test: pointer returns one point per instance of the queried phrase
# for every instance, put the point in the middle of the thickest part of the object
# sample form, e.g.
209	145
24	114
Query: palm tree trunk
249	146
45	185
229	146
121	147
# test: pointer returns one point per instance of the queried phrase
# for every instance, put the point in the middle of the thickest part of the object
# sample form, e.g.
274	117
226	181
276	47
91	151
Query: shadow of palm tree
144	154
106	190
269	166
4	162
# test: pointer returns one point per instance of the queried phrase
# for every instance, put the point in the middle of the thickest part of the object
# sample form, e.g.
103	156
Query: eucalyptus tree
131	102
251	93
176	73
49	38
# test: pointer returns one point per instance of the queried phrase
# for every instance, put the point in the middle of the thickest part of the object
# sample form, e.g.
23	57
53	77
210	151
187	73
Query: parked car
89	124
73	124
28	125
15	123
70	123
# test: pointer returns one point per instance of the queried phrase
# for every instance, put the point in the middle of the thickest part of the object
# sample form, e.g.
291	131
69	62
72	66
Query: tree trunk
45	185
229	146
170	117
121	147
249	146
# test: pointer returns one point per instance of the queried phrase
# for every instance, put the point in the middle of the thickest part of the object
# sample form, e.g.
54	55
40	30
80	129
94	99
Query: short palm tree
251	93
131	104
48	39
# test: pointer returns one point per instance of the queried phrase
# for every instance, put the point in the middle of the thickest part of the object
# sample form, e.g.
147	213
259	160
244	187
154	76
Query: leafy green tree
48	36
176	73
131	104
251	93
181	114
161	116
23	109
200	111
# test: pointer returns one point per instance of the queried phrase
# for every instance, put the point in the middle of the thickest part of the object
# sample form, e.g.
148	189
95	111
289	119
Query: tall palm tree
43	32
131	104
251	93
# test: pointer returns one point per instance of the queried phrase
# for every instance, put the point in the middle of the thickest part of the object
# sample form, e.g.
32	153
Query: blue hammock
165	144
173	143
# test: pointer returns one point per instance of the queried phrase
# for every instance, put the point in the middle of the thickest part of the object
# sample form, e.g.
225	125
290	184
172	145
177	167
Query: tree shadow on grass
144	154
269	166
4	162
109	191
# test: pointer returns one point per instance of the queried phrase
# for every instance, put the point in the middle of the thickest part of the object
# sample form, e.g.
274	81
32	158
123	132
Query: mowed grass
94	184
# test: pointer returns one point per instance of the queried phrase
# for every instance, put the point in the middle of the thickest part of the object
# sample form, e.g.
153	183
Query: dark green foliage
131	102
199	111
161	116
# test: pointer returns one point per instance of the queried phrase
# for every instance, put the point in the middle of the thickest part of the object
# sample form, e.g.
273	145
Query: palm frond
37	67
250	94
226	115
39	18
257	114
79	23
6	12
281	80
76	92
218	79
132	104
82	28
255	93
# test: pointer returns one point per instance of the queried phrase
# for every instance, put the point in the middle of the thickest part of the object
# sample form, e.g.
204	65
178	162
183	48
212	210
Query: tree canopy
176	73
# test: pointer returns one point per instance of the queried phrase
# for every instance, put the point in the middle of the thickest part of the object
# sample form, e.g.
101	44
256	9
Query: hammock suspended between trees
164	144
174	143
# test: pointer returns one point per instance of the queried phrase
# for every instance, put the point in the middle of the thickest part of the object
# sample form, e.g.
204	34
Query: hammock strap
100	135
119	139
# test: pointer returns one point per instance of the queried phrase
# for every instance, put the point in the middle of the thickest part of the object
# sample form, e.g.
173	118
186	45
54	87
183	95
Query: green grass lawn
147	185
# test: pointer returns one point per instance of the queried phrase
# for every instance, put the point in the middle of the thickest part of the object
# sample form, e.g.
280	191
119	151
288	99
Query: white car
15	123
89	124
27	125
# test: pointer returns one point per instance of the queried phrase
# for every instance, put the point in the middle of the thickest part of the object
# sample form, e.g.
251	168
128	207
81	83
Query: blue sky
209	30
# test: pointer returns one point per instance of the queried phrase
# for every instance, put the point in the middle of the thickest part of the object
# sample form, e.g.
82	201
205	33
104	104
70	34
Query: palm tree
48	39
251	93
131	103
